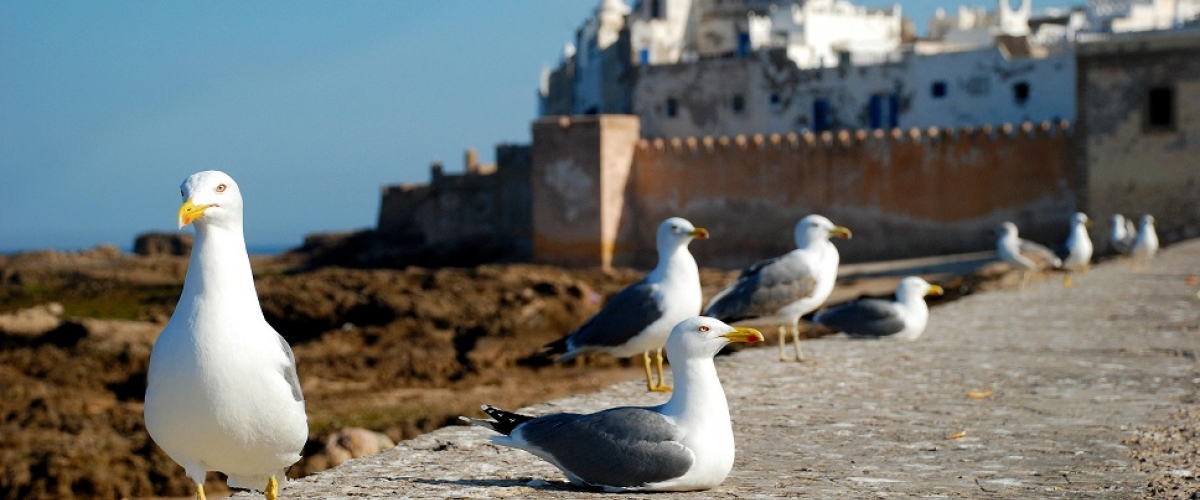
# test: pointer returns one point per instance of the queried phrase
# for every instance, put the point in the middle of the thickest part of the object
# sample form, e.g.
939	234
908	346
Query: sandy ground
1049	392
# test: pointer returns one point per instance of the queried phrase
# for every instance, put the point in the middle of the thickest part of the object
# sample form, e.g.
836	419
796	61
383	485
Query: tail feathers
502	421
557	347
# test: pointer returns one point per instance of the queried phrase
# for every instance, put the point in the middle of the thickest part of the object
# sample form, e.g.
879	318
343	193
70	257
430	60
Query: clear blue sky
105	107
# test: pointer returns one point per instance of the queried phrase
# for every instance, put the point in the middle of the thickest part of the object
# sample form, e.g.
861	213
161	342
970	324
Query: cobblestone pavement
1061	378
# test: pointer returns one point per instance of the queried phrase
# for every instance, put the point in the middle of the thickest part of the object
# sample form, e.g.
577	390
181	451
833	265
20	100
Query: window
743	44
882	110
672	107
938	90
739	104
1160	109
655	9
822	115
1021	92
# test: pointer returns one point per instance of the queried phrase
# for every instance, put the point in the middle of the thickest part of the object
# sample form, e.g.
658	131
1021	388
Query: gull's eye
220	188
703	329
182	194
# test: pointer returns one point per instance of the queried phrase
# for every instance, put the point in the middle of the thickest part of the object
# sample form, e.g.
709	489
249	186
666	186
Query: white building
726	67
1122	16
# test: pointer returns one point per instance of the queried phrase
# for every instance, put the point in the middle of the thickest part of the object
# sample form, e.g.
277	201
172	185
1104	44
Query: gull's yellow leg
662	384
782	340
796	340
272	492
200	492
649	376
1067	281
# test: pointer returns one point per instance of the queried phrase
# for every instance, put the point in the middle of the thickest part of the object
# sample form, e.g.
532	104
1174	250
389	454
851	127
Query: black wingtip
557	347
505	421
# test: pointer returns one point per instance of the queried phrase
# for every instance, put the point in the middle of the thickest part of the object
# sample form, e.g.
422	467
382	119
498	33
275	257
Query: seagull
1146	244
1023	255
1122	234
639	318
901	319
685	444
782	289
222	392
1078	251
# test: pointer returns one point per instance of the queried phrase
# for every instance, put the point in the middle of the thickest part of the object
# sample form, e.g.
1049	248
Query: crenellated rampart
904	192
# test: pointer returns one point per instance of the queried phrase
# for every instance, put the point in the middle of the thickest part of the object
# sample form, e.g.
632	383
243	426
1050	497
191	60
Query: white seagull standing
685	444
639	318
1146	244
1078	249
1121	234
222	392
902	319
782	289
1023	255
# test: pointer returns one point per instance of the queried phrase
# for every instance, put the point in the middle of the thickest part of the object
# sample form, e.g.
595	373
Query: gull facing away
1146	244
640	317
901	319
782	289
222	392
1024	255
1078	248
1122	234
685	444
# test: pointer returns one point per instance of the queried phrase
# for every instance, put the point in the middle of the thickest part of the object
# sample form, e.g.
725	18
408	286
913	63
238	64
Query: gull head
702	336
677	231
1006	230
815	228
913	287
1147	221
1081	218
210	197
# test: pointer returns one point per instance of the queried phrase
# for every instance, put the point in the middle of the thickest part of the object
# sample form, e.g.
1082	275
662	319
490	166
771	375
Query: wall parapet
846	138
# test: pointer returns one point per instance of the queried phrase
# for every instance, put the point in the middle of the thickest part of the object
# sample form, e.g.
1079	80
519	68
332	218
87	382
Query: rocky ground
384	354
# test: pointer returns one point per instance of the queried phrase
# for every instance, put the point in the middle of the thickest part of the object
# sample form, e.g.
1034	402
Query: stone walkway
1063	377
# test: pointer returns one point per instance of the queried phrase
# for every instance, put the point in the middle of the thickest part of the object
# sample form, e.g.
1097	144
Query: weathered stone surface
1063	378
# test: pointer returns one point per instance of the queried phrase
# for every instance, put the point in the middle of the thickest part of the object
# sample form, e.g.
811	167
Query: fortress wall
578	178
904	193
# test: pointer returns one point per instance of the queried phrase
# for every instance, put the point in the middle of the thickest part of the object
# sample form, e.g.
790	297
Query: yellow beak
741	334
1087	223
935	290
189	212
839	232
699	233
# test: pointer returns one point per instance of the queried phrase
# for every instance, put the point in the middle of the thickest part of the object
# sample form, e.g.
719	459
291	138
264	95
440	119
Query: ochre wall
904	193
578	177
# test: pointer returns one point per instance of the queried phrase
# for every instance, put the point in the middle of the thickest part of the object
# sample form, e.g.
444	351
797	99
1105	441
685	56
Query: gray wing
1034	250
863	317
623	447
622	318
764	288
289	371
